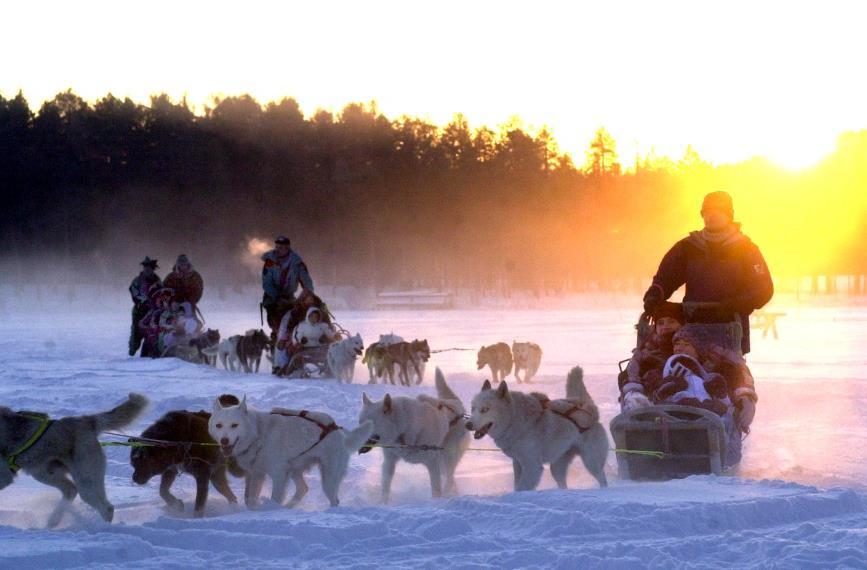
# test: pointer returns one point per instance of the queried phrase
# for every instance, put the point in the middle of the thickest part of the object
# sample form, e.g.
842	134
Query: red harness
456	419
546	405
304	414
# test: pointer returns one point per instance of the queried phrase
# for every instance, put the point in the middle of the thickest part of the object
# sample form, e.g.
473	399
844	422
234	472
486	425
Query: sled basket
691	440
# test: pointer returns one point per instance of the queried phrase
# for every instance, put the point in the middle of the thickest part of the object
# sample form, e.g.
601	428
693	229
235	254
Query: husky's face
356	344
149	461
488	409
482	359
521	350
382	414
229	425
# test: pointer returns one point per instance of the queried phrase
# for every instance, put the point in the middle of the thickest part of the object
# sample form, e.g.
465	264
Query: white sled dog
283	444
528	357
534	430
432	426
227	351
342	355
67	447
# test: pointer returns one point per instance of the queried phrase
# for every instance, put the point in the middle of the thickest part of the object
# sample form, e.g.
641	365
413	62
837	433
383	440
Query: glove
652	298
744	413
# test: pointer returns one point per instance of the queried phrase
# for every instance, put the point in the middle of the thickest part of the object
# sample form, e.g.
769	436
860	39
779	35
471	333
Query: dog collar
45	421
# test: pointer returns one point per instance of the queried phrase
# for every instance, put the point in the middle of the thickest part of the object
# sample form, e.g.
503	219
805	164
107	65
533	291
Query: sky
733	79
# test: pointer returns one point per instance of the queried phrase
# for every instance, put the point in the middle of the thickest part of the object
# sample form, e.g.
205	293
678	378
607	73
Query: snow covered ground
799	498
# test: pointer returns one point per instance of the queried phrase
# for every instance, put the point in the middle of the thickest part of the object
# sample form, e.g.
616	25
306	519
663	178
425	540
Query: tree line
366	199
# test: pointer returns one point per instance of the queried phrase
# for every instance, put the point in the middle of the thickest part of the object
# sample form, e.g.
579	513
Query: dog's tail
122	415
443	390
575	385
354	439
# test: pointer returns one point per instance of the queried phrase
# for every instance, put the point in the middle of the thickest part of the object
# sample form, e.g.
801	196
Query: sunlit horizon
779	81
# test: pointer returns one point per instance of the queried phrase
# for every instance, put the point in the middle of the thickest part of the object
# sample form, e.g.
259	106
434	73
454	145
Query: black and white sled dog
534	430
282	444
68	448
204	462
342	355
423	430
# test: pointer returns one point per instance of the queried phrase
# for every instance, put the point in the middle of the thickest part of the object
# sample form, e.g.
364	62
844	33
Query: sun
799	153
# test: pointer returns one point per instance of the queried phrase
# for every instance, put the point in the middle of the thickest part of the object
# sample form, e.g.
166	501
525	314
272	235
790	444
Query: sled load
669	440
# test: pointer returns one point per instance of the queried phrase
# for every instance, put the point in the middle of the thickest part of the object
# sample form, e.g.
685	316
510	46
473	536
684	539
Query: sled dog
250	347
498	358
204	462
534	430
423	430
528	357
342	355
227	351
282	444
67	455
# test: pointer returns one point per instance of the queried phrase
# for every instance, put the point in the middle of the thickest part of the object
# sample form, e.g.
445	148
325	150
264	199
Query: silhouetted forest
366	199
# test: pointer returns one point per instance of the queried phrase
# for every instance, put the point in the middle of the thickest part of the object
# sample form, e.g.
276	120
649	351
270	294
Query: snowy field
799	498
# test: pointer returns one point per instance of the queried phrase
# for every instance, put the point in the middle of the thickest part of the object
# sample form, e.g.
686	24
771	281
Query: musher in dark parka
185	282
717	264
283	271
140	289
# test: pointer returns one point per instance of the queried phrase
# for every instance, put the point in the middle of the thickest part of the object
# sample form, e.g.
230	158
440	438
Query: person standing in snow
717	264
185	281
140	289
283	271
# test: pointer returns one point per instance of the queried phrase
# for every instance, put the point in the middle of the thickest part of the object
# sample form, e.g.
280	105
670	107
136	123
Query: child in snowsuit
644	371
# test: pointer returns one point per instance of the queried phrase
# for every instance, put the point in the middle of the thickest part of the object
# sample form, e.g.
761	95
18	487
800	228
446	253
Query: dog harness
304	414
456	419
546	406
45	422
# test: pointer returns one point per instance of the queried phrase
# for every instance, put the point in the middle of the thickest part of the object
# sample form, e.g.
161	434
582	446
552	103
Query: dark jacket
732	272
141	287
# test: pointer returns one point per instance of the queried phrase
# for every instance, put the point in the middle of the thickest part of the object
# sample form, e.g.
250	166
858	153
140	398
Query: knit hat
719	201
148	262
669	309
689	334
282	240
182	258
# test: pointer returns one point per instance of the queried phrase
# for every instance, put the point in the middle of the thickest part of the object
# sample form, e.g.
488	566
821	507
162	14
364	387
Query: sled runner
670	441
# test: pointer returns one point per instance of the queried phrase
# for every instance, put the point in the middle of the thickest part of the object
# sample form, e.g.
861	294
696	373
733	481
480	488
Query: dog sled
670	441
308	363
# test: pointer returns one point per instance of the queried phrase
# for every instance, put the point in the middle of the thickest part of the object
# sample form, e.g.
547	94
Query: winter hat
669	309
719	201
182	258
148	262
688	334
282	240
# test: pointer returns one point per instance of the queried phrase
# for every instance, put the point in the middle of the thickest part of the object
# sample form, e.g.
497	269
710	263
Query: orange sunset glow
769	97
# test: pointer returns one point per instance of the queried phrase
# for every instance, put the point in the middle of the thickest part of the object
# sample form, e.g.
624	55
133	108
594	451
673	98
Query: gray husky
534	430
68	446
422	430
